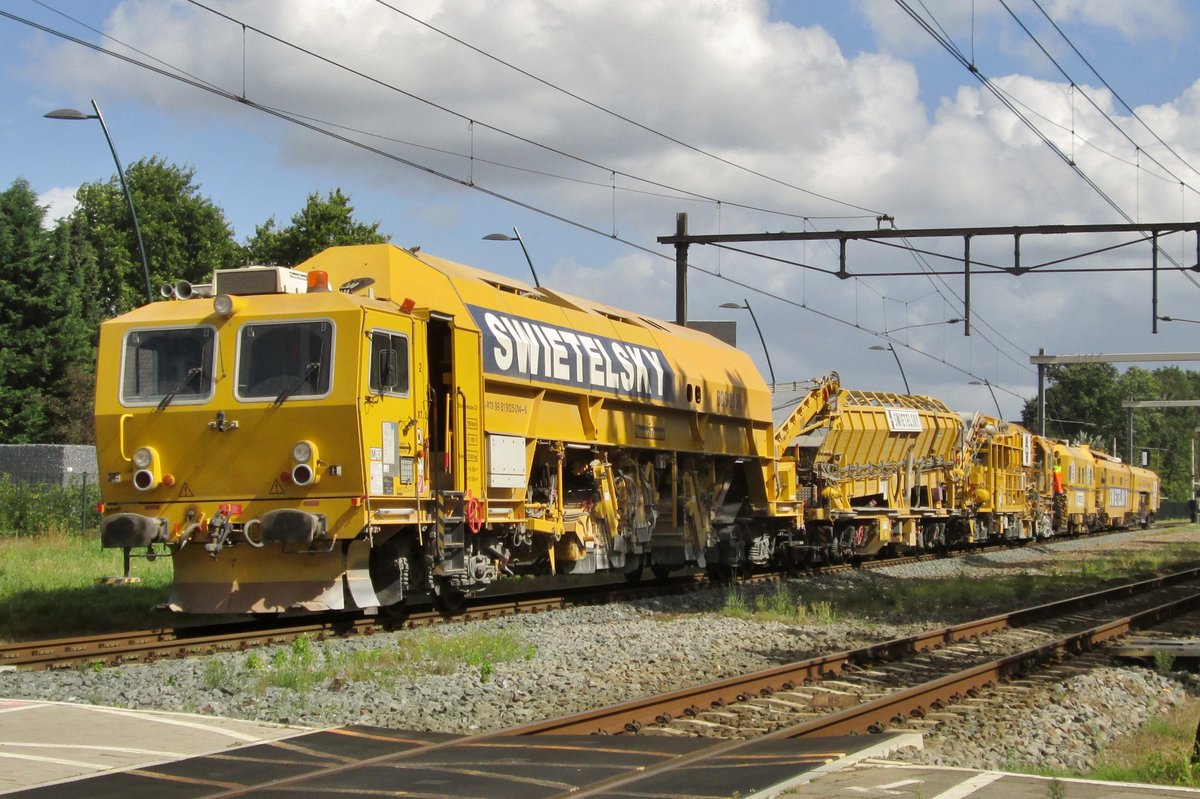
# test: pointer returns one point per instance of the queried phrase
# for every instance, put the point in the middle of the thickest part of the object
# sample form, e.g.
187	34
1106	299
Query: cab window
280	360
389	363
176	362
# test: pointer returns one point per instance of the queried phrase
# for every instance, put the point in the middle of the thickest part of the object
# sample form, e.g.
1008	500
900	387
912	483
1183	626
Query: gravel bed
589	657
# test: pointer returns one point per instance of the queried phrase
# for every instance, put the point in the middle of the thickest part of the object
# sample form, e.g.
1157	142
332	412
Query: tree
1083	403
317	226
47	339
185	234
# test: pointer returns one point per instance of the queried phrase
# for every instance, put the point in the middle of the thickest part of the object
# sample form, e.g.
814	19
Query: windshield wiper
309	371
189	377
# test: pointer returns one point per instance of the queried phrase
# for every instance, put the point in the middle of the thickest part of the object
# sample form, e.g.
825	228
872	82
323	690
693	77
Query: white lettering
504	348
573	340
522	339
642	382
559	369
652	358
626	367
596	374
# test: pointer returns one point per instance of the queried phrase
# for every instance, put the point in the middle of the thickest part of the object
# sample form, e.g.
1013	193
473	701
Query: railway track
123	647
913	681
870	689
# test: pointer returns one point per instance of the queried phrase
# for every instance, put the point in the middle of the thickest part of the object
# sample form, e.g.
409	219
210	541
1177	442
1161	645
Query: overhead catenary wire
473	157
990	85
295	119
624	118
1095	106
1113	91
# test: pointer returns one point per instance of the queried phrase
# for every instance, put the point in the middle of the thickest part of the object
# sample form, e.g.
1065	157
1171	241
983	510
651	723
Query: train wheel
448	596
394	567
633	568
660	572
719	572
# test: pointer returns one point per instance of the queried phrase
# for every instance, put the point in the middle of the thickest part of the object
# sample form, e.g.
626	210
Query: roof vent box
260	280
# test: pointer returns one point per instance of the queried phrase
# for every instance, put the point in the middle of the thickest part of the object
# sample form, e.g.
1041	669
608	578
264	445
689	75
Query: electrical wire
987	83
318	128
1113	91
622	117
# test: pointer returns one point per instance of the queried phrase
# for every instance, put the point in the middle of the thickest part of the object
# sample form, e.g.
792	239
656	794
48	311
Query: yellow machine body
421	412
872	466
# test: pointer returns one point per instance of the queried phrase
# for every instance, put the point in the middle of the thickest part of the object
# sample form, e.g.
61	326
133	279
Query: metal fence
1173	509
33	502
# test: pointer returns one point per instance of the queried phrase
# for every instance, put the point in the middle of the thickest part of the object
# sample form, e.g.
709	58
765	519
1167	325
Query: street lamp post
72	114
517	238
889	347
986	382
746	306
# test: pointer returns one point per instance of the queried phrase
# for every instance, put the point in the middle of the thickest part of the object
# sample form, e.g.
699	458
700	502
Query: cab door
392	428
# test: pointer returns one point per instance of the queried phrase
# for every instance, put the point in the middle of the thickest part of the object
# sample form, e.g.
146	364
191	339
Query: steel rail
142	646
636	714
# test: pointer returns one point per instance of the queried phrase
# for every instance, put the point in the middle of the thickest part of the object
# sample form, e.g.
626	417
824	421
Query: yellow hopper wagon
872	469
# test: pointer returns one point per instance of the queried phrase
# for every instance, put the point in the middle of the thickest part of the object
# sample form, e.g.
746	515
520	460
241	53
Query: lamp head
68	113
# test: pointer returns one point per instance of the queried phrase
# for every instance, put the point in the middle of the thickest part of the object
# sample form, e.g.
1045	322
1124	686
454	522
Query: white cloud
783	98
59	202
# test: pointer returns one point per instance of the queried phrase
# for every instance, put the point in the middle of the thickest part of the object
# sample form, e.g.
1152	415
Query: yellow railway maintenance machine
379	422
871	469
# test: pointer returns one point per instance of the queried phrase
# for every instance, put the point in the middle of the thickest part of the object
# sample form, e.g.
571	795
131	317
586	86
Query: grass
47	587
963	595
1159	753
30	509
781	604
304	666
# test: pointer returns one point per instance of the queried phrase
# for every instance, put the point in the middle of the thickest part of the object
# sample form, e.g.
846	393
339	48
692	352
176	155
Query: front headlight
143	458
302	451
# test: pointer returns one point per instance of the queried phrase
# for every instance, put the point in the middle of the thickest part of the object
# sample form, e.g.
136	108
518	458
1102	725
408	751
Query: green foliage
321	224
27	510
48	587
1083	404
301	666
780	604
47	341
185	234
1164	661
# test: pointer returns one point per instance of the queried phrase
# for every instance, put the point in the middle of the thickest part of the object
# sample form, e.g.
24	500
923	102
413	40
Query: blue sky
851	101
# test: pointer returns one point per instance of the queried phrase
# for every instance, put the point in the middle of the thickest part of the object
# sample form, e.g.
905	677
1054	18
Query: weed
1164	661
1057	790
1159	752
735	605
218	673
38	508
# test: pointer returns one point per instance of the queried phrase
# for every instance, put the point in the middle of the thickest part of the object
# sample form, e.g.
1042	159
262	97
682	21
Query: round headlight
223	305
302	475
143	458
302	451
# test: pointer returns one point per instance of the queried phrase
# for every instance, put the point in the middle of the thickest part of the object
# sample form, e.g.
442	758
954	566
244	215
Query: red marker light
99	507
408	305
